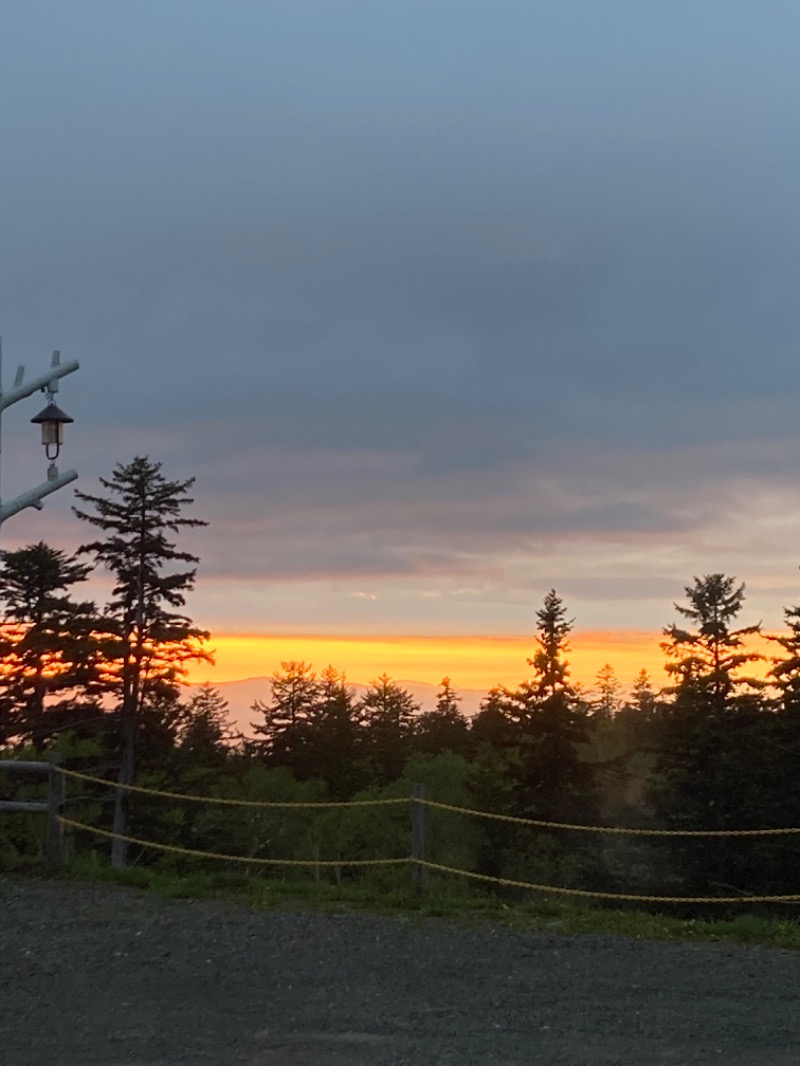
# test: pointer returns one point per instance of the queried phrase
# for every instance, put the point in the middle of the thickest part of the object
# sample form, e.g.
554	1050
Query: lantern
52	420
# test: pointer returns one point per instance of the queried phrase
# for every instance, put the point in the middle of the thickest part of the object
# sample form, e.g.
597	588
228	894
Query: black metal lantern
52	420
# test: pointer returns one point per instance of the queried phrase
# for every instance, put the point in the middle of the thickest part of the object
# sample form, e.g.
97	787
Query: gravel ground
107	975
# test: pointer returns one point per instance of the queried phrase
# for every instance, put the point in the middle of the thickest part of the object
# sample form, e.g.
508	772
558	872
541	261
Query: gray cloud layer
415	289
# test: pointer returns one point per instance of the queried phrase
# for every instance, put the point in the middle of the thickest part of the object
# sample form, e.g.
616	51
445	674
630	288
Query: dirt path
104	975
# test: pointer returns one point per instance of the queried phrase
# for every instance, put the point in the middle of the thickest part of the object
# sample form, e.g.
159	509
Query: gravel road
107	975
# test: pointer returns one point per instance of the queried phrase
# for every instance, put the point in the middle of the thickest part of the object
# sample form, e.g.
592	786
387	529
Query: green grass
443	899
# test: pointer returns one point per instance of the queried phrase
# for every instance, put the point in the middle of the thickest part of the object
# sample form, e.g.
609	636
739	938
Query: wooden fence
56	798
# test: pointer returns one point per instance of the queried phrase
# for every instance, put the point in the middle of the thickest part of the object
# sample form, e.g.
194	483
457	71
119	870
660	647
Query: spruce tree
635	722
335	737
205	731
288	716
785	671
780	732
607	702
550	665
643	695
492	726
496	771
706	775
388	711
556	782
152	640
543	729
445	728
705	662
49	644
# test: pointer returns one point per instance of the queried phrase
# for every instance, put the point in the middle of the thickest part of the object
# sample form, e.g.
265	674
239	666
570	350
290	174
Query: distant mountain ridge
241	695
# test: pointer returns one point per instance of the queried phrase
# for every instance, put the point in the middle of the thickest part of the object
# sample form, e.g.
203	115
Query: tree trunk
119	848
127	767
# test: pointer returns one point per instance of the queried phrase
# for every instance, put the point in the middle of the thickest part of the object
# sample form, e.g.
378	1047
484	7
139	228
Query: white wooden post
46	382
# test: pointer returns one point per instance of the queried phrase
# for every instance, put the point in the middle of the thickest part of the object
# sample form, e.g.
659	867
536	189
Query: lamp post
52	420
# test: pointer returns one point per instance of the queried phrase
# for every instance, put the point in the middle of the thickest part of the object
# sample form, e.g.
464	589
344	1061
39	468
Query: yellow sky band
470	661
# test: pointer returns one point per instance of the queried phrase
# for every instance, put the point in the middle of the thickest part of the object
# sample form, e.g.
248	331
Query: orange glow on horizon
476	662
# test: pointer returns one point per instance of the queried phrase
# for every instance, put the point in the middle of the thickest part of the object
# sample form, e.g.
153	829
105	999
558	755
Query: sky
443	305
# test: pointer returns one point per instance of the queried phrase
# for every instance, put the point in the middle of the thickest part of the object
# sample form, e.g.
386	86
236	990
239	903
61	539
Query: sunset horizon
476	662
470	661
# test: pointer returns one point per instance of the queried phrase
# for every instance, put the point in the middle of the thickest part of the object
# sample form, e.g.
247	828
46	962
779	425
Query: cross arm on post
34	497
51	421
41	381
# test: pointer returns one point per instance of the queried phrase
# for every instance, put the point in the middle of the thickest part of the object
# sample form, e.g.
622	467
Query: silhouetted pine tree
643	696
387	711
556	783
289	716
708	772
445	728
492	725
779	802
50	650
785	671
606	704
151	639
205	730
495	776
336	750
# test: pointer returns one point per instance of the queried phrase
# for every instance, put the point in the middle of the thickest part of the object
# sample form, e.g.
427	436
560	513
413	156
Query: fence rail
54	848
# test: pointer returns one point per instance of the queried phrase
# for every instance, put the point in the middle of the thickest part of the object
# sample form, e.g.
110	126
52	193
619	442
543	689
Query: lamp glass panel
52	433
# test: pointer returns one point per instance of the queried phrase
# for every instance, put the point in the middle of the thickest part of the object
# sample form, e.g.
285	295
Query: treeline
717	749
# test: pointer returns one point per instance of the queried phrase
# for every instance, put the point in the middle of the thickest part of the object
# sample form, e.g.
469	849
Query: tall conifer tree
608	688
205	731
556	782
785	670
707	770
335	753
388	711
49	643
289	715
445	728
706	661
643	695
152	640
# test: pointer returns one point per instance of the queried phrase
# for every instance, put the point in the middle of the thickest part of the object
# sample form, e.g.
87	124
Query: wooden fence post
56	797
419	826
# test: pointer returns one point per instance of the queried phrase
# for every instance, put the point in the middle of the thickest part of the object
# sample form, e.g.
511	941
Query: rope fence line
418	861
608	828
578	893
225	802
255	860
586	894
452	808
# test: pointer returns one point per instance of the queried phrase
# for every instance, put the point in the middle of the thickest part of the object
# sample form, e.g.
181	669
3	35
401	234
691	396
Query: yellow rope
509	818
221	801
606	828
438	867
585	894
193	853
